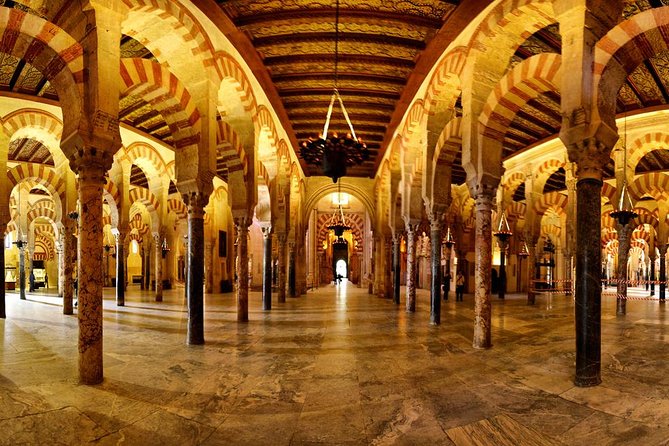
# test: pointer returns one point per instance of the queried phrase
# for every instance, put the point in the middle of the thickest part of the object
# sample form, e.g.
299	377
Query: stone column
158	260
435	263
291	269
663	271
588	282
396	269
267	269
567	272
387	270
69	257
195	272
3	312
120	269
647	273
22	271
61	261
208	268
282	267
502	268
653	257
143	270
624	233
242	230
531	272
89	255
447	249
379	267
411	265
482	279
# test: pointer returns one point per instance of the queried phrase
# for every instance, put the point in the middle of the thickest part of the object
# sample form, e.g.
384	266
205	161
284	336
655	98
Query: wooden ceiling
379	44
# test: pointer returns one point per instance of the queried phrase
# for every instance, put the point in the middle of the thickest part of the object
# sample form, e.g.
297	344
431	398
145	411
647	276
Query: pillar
653	257
435	266
588	282
387	270
120	268
267	269
502	268
282	267
61	261
242	230
483	267
624	233
291	269
396	269
195	271
663	271
89	255
22	270
411	265
447	250
69	259
158	261
531	272
208	267
3	312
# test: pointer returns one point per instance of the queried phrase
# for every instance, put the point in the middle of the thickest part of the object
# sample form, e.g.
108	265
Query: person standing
459	287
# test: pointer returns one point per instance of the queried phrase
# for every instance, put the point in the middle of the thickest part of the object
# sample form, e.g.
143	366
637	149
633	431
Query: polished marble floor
336	366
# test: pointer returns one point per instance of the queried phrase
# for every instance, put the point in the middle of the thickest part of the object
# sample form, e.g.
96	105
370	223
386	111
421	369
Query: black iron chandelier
337	223
333	152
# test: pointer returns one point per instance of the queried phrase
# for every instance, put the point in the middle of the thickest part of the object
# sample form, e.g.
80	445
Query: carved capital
590	156
195	201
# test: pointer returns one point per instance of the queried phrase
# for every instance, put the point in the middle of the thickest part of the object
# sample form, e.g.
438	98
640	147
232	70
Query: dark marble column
147	268
120	269
663	271
411	265
22	271
282	268
158	260
435	263
448	249
291	270
502	268
89	294
531	273
624	233
388	269
396	269
3	312
647	273
588	282
483	267
652	274
142	255
242	230
267	269
69	258
195	272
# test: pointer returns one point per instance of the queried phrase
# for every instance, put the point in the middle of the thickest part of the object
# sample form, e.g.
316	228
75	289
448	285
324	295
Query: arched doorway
341	269
340	258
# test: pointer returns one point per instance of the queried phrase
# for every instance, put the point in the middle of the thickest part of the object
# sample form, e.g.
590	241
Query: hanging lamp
334	153
625	212
337	223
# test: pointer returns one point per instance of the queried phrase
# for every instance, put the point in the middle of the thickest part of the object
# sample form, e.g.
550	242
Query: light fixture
331	151
524	250
337	222
625	212
165	248
449	238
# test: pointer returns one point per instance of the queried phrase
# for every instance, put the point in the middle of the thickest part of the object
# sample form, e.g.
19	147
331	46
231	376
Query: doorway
341	269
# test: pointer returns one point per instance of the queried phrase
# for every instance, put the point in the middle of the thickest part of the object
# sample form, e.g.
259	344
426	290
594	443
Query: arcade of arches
152	146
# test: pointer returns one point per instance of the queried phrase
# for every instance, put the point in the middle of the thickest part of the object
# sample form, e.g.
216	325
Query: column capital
241	222
591	155
195	201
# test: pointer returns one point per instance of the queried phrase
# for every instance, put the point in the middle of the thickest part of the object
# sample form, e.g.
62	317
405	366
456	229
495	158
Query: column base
587	381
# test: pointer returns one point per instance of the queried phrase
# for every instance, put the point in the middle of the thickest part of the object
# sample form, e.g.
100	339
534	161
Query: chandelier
625	212
337	222
334	152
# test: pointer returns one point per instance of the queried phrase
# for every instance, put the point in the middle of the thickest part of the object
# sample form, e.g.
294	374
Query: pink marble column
158	260
69	258
483	267
282	267
90	264
242	230
624	233
195	272
411	265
